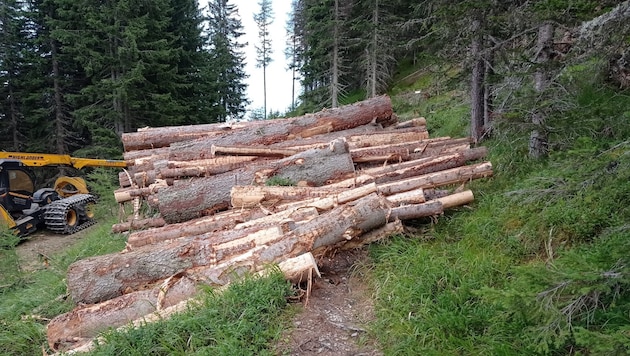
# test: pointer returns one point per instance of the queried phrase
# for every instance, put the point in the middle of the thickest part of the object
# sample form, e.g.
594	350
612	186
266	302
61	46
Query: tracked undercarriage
69	215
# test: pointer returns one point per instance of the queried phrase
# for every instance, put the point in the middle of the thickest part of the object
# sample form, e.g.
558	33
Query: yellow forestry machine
64	209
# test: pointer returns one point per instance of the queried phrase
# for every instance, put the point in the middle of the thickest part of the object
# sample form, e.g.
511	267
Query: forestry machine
64	209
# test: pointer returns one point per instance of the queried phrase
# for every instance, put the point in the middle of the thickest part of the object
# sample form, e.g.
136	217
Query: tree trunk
477	83
538	140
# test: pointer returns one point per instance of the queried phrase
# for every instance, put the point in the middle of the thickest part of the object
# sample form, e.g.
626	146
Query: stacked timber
204	211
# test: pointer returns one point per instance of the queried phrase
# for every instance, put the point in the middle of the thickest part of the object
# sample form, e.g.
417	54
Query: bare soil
36	250
333	319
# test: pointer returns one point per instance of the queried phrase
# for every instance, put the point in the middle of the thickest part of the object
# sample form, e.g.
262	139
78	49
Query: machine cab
16	186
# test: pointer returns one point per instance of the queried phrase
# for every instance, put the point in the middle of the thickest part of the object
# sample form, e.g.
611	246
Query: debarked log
250	196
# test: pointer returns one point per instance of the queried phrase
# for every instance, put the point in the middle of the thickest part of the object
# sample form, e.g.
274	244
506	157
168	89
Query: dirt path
34	252
333	322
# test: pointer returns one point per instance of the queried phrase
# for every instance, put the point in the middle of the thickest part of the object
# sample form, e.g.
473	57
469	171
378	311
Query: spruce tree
227	73
11	45
263	20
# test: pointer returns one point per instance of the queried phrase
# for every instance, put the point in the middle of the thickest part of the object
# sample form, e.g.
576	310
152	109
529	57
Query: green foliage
572	10
102	182
10	273
279	181
242	320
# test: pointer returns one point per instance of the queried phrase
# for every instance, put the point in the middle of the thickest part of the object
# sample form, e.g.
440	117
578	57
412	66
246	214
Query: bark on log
134	157
425	165
419	121
400	171
164	136
138	225
415	211
231	219
77	327
99	278
439	179
128	194
313	167
197	197
206	168
251	151
337	119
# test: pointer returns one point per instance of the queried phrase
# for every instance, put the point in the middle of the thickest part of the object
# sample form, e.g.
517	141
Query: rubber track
55	215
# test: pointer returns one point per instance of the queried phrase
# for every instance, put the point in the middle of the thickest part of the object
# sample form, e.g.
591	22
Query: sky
278	76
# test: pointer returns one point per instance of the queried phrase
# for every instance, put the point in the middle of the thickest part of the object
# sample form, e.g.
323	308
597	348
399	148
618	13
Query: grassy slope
538	264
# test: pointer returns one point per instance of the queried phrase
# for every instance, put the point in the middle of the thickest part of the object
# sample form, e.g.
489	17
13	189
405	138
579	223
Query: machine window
20	180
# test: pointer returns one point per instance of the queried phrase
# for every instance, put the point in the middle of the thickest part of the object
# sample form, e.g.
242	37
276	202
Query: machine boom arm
47	159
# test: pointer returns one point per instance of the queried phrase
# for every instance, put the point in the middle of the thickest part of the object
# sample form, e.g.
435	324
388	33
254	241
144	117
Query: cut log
413	134
457	199
205	168
416	211
138	225
425	165
190	199
128	194
164	136
411	197
416	168
79	326
314	167
267	196
387	230
332	201
133	157
376	109
100	278
231	219
251	151
419	121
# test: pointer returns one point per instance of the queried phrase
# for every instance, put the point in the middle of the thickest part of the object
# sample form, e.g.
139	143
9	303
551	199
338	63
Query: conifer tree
11	44
263	20
226	54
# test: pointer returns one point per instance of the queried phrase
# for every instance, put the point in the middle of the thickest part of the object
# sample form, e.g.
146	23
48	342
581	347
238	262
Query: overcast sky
278	76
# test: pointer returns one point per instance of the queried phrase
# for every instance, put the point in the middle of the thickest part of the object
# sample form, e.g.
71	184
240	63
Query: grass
243	320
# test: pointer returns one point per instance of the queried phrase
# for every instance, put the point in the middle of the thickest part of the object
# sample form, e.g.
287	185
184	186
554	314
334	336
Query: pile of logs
205	209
